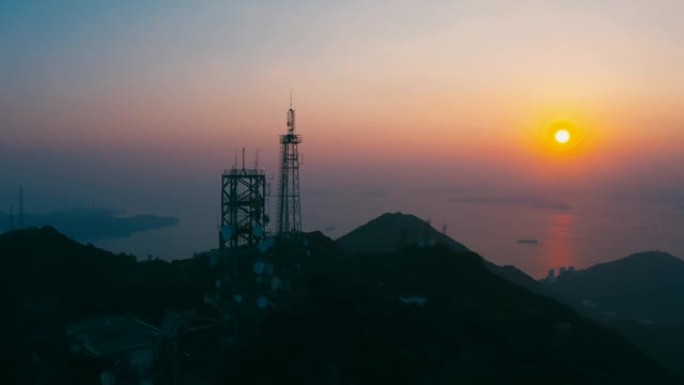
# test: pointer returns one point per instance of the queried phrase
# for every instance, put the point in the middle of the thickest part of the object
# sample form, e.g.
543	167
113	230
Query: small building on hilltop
128	347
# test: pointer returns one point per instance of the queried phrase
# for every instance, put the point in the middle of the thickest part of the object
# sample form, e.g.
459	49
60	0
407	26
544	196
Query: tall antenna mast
243	158
21	207
289	210
11	218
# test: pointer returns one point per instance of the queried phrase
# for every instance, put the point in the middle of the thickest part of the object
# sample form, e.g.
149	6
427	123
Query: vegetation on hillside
420	315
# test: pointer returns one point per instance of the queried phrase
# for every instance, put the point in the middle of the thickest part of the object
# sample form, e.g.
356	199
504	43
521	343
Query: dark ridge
428	315
392	232
665	343
646	286
420	315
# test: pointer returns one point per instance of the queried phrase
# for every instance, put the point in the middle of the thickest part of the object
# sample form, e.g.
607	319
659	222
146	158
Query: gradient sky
139	105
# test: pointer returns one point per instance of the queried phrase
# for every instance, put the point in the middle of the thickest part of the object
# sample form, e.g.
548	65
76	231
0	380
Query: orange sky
387	92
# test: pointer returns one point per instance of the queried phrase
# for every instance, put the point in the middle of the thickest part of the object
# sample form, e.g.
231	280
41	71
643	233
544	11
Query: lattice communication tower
289	210
243	207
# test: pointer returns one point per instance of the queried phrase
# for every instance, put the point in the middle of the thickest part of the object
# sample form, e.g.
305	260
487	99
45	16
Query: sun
562	136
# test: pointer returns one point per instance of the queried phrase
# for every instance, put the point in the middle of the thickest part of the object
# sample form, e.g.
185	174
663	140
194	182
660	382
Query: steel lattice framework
243	208
289	210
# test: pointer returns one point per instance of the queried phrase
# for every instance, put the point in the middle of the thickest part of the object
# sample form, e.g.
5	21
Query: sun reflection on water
559	250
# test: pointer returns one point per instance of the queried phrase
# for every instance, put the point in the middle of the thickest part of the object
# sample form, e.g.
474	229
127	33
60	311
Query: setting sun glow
562	136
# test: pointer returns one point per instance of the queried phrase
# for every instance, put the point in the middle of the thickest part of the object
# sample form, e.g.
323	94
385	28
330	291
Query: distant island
93	223
528	241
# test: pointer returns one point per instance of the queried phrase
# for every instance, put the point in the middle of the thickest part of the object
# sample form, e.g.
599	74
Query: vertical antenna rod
21	207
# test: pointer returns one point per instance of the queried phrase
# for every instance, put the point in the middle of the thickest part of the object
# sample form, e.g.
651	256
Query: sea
587	233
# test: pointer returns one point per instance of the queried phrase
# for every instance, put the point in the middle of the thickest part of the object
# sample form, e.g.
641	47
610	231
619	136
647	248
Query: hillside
48	281
429	315
420	315
665	343
573	289
640	296
644	286
392	232
51	272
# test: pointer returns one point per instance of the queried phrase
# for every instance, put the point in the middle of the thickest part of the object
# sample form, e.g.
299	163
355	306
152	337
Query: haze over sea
583	235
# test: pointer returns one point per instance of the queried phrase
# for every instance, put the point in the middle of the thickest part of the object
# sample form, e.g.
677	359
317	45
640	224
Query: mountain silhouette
48	280
418	315
647	286
394	231
642	271
430	315
640	296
